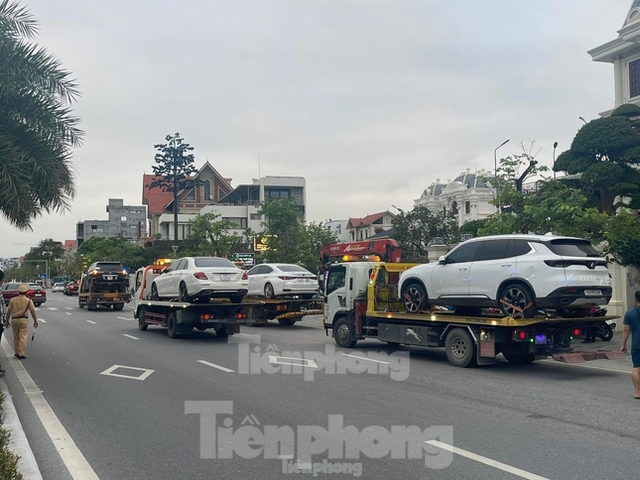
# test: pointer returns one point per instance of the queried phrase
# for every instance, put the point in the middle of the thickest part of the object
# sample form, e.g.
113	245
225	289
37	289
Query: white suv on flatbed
517	273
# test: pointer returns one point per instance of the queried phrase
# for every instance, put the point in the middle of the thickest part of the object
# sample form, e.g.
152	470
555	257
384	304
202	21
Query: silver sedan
201	278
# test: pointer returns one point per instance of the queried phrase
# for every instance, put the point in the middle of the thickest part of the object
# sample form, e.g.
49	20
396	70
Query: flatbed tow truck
221	315
361	301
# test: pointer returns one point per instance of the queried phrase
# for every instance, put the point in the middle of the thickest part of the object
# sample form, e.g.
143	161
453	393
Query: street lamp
555	145
495	169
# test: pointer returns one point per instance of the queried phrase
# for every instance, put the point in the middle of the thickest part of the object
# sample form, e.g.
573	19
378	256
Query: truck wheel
268	291
154	292
172	325
414	297
222	332
519	295
118	306
80	304
184	294
142	325
460	348
286	321
519	358
91	306
343	334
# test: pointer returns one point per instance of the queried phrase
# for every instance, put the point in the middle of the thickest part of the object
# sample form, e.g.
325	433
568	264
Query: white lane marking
72	457
486	461
42	320
127	319
224	369
69	308
68	313
143	376
585	366
130	336
52	308
91	322
363	358
295	361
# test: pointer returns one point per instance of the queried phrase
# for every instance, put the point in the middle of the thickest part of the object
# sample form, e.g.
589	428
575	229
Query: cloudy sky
369	100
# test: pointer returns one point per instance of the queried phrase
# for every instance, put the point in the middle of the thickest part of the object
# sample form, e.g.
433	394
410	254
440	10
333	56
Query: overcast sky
370	100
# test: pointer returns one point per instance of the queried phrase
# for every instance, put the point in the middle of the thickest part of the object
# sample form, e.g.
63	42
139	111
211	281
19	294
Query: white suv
517	273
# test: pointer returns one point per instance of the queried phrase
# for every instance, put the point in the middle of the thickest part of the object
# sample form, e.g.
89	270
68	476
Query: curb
19	443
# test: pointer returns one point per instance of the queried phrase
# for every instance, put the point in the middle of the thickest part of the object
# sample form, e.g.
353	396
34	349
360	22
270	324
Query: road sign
43	276
247	259
261	244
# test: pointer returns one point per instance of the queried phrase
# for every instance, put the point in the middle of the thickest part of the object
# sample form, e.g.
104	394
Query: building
339	228
468	197
624	54
128	221
365	227
191	201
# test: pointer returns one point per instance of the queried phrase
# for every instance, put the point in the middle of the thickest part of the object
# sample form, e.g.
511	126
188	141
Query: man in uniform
18	312
632	326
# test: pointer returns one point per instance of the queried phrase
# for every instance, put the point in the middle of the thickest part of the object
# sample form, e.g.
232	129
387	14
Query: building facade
365	227
128	221
468	197
339	228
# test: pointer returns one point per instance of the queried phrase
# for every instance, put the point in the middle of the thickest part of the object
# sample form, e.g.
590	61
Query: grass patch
8	459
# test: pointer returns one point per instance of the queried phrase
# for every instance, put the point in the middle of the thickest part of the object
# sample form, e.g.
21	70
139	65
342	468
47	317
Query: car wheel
268	291
154	292
118	306
414	297
460	348
516	301
37	304
184	294
343	333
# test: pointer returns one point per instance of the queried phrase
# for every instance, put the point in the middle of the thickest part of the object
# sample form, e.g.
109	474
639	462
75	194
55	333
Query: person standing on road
632	326
18	312
2	371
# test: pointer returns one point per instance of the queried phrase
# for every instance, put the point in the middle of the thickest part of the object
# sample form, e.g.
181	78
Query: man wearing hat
18	312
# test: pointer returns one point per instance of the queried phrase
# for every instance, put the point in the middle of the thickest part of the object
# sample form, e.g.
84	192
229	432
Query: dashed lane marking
68	313
219	367
71	455
130	336
91	322
52	308
126	318
42	320
487	461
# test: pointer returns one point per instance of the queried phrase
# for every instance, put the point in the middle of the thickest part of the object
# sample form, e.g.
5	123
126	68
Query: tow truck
221	315
361	301
104	284
385	250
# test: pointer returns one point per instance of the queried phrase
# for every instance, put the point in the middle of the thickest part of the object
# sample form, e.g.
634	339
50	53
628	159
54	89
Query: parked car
517	273
71	288
278	279
35	293
201	278
57	287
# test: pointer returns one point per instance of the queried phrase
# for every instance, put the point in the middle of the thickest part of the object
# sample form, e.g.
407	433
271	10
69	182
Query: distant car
35	293
57	287
201	278
272	280
71	288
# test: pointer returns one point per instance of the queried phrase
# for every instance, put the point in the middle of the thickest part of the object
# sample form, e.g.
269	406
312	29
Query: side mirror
442	260
165	270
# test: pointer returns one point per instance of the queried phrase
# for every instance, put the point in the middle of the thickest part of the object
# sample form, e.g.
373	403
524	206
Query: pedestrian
18	312
632	326
2	371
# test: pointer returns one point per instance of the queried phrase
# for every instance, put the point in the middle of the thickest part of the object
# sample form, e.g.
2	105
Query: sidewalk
614	344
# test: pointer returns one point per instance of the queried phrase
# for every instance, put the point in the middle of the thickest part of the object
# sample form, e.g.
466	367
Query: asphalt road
155	419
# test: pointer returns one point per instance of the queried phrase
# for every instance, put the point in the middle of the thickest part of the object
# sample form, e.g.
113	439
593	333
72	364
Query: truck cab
344	284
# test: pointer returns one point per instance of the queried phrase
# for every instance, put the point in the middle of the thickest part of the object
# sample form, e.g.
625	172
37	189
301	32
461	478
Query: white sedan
279	279
202	278
58	287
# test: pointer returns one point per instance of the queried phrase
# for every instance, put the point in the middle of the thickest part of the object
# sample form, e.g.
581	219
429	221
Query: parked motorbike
604	330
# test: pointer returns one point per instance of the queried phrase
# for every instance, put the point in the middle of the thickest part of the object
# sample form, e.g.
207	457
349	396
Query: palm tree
37	128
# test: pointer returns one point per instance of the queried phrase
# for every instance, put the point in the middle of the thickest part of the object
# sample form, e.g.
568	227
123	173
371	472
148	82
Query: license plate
593	292
303	280
225	277
110	277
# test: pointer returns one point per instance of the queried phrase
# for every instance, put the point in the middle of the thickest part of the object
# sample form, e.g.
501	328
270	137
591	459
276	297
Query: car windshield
292	268
35	287
204	262
573	248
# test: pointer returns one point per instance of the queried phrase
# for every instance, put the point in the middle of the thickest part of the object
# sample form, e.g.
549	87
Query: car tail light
556	263
200	276
245	276
30	292
577	332
206	317
240	316
285	278
313	278
520	335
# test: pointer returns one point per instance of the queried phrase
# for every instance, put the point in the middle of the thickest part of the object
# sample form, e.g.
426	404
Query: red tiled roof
368	220
156	199
70	244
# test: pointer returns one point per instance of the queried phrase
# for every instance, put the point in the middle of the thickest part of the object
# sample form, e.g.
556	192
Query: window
634	78
191	195
255	270
238	222
573	248
206	190
467	207
493	250
255	216
133	227
204	262
278	193
454	208
123	218
336	279
464	253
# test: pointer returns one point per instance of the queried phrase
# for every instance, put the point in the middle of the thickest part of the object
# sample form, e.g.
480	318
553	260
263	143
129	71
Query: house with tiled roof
365	227
191	201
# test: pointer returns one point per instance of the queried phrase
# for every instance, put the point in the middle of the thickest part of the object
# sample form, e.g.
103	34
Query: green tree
48	252
284	230
113	249
211	236
604	152
416	229
623	238
37	127
316	236
174	171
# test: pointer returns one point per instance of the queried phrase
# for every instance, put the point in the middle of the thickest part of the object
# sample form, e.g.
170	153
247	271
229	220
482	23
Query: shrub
8	459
